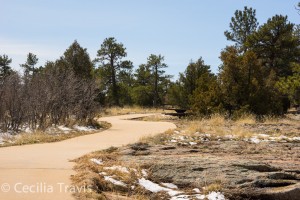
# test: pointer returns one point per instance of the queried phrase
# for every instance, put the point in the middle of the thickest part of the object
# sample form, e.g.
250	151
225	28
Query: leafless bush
53	95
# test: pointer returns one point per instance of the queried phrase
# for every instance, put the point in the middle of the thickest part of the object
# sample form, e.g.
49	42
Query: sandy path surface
42	171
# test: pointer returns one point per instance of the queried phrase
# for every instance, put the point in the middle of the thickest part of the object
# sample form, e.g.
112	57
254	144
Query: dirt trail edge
42	171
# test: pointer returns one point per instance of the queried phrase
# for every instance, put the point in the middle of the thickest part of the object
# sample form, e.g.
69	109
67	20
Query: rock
258	167
168	148
140	146
282	175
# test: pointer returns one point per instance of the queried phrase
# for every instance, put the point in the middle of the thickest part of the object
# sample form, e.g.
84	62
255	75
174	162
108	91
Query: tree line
259	74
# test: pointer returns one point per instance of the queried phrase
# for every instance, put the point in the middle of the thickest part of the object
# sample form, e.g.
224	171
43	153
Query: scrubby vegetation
259	74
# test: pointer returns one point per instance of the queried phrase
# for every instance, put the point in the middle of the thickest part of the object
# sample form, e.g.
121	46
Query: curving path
42	171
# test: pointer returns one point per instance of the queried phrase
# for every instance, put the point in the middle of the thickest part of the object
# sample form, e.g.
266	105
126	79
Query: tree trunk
114	83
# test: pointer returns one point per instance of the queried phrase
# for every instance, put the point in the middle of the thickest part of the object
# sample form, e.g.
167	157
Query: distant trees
259	74
55	94
249	78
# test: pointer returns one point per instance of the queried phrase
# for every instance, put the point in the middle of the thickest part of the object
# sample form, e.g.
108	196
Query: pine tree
110	56
243	24
5	68
30	65
276	45
156	65
77	59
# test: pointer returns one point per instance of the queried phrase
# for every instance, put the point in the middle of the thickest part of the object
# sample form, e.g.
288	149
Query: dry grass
215	187
88	175
43	137
246	119
157	139
113	111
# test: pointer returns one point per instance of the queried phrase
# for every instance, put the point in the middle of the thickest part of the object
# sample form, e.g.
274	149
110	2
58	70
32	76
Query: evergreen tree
156	65
291	85
77	59
30	65
181	91
243	24
110	55
142	90
276	45
5	68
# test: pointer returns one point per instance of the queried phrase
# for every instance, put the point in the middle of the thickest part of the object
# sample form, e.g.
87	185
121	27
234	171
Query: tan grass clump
246	119
113	111
158	138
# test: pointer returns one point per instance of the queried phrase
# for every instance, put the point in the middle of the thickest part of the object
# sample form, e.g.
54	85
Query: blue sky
180	30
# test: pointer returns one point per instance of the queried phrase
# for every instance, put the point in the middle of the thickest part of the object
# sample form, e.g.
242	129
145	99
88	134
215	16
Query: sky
179	30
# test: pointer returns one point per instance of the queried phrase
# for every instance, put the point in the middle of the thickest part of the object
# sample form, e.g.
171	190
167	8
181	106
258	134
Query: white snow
153	187
118	168
196	190
180	197
255	140
296	138
181	137
200	196
170	185
192	143
97	161
64	129
215	196
114	181
144	173
83	128
174	141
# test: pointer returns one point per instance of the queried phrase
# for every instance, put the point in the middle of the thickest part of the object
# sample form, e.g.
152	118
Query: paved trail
42	171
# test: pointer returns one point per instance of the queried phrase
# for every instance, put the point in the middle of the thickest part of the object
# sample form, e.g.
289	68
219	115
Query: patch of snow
181	137
200	196
114	181
192	143
282	137
255	140
97	161
83	128
215	196
296	138
64	129
170	185
103	173
196	190
144	173
176	132
181	197
174	141
153	187
28	130
118	168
